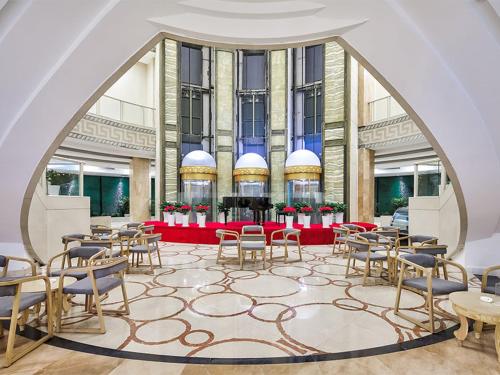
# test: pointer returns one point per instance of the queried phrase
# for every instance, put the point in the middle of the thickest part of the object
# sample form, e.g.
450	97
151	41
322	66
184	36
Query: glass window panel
247	129
260	112
197	110
260	129
195	66
318	63
308	125
254	71
197	126
185	64
247	111
319	112
185	125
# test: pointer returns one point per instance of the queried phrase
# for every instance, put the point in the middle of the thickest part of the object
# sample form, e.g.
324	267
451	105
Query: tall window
195	93
308	99
252	103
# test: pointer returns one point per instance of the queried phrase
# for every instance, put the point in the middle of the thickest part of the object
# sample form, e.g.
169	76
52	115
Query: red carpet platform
316	235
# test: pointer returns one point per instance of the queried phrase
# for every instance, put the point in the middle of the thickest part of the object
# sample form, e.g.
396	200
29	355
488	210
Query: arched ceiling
442	58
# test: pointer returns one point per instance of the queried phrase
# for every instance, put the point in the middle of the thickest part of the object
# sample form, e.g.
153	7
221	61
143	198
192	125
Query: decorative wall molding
398	131
117	124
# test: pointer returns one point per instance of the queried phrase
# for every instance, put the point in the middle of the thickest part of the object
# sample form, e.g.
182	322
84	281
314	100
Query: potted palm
184	211
325	212
278	207
289	212
307	211
201	215
223	211
339	212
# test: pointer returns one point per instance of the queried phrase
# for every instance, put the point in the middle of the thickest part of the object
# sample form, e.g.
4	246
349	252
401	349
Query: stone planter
171	220
201	219
185	220
307	221
289	222
300	218
325	219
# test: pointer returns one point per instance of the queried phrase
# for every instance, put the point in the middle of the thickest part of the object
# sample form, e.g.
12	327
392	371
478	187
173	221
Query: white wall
132	86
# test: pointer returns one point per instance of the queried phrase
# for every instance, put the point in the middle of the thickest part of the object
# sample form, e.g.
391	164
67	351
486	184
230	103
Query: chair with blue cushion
14	307
227	238
488	287
103	275
289	237
425	282
147	244
369	253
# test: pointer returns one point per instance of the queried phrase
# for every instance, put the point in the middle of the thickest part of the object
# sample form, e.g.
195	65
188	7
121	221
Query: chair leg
125	297
300	249
219	254
100	315
431	312
398	294
286	252
445	270
242	257
11	339
271	251
348	264
151	262
264	259
367	272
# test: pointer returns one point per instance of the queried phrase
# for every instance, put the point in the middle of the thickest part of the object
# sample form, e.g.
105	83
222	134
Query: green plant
124	206
299	205
165	204
221	208
339	207
399	202
58	178
278	207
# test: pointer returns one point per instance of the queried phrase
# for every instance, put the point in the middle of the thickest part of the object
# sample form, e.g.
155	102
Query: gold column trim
198	173
303	172
251	174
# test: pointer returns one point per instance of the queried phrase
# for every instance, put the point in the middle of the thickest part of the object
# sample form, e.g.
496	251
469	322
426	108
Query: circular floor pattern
195	311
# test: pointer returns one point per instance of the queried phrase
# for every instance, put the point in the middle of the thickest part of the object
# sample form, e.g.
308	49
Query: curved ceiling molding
251	10
254	32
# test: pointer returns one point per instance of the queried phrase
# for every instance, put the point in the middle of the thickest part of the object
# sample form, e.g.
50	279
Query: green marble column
171	110
335	123
224	121
278	123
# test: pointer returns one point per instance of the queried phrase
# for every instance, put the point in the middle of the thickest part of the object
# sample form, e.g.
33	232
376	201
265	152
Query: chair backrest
148	229
103	269
388	233
370	236
129	233
252	229
253	238
67	238
422	260
358	245
432	249
84	252
152	238
353	227
96	243
101	230
133	225
294	232
418	238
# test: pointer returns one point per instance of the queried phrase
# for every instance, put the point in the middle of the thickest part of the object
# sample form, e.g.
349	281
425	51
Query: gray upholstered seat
364	256
253	245
439	286
26	301
434	250
490	289
418	238
282	242
84	286
76	274
378	248
229	243
8	290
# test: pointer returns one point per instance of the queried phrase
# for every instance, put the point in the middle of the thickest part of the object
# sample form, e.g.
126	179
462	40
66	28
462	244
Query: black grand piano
259	206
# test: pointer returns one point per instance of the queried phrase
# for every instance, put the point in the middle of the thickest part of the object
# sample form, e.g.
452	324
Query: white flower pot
166	215
325	219
331	217
171	220
300	218
178	218
289	222
307	221
202	218
53	189
185	220
221	218
339	217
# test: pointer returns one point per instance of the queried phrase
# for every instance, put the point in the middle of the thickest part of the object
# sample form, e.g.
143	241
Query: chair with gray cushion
353	228
227	238
101	232
6	260
424	281
126	238
147	244
146	229
14	307
340	236
252	242
486	286
388	231
286	237
103	275
73	259
367	252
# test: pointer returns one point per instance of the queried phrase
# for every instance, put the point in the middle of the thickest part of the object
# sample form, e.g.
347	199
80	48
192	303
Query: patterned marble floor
193	307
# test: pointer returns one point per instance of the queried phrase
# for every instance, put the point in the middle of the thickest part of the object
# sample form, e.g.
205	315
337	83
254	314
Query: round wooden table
469	305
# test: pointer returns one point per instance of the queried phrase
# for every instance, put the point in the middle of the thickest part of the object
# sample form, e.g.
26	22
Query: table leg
478	328
497	340
461	333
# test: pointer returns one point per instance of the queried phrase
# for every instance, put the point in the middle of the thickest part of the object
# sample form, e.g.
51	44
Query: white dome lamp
198	165
302	165
251	167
